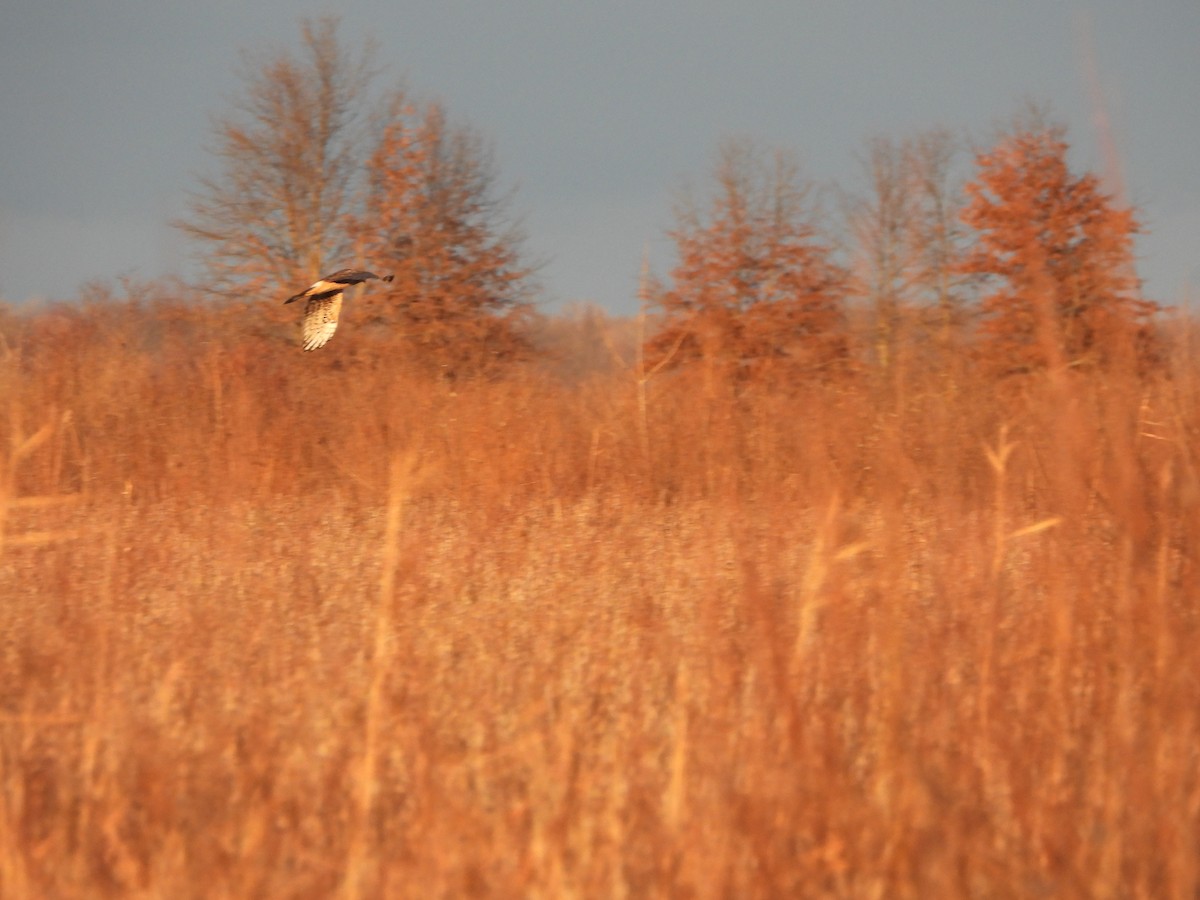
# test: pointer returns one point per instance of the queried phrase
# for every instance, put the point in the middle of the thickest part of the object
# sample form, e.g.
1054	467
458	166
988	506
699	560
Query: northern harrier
325	302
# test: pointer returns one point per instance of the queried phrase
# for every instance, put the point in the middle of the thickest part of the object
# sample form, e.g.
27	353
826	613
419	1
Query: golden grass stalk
365	782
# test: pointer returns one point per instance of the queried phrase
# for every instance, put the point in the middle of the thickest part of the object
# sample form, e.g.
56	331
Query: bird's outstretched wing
336	282
320	320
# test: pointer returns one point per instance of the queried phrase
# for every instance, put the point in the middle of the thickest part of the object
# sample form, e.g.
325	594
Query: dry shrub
317	624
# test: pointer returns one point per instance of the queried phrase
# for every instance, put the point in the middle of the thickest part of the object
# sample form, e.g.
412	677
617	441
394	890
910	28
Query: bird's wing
350	276
317	290
320	320
334	283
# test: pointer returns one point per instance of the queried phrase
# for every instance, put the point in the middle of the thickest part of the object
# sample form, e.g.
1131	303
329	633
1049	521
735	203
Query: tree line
1028	262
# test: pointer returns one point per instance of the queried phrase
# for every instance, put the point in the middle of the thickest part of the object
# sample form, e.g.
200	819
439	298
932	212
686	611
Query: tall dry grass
307	625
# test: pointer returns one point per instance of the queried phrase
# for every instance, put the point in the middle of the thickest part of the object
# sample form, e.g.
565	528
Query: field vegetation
279	624
862	563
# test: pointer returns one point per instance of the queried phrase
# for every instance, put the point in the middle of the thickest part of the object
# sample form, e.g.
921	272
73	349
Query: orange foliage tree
432	218
1057	254
754	290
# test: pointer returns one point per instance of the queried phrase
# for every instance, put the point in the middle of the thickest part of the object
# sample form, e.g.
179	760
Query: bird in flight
324	302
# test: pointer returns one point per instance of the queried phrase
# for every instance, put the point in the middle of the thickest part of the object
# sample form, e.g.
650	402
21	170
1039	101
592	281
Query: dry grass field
279	624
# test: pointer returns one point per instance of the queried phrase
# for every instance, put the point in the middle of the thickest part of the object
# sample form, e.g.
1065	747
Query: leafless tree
880	226
275	215
905	234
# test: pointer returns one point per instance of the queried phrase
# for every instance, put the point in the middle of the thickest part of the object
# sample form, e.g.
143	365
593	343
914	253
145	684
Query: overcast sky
597	111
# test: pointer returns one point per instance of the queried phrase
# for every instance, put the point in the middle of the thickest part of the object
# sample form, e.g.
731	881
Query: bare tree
880	226
937	234
275	215
906	234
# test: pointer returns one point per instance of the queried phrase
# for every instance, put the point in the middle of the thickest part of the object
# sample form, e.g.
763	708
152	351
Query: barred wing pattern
320	320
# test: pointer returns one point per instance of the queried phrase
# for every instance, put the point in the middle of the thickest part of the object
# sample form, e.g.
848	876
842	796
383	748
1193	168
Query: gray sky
597	111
